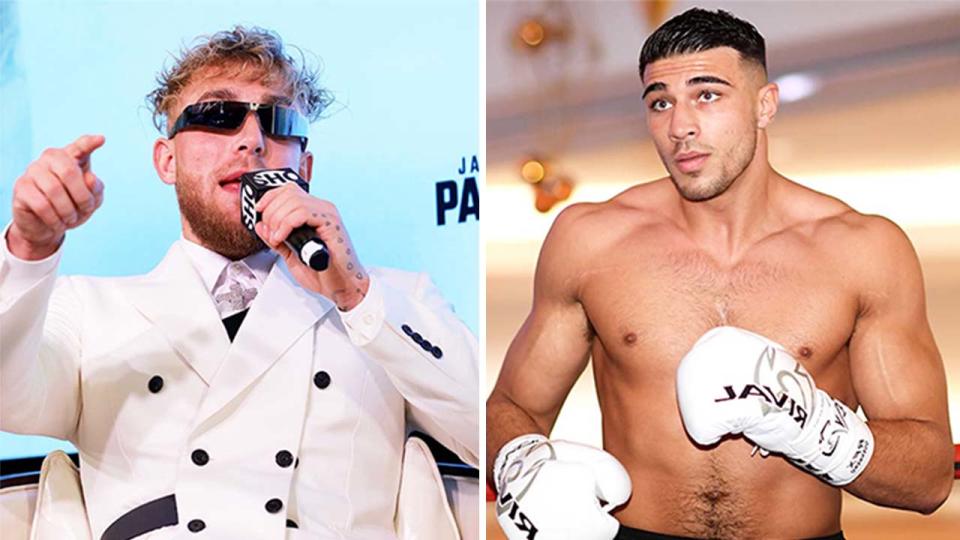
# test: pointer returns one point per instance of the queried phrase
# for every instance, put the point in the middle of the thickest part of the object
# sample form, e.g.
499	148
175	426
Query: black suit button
284	458
427	346
274	505
417	338
291	524
437	353
155	384
200	457
406	330
296	463
321	379
196	525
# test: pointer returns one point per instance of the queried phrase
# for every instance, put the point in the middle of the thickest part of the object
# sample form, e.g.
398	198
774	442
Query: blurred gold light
532	33
533	171
656	11
549	193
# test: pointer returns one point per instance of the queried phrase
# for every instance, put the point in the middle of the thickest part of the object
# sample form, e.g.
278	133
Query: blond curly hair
248	52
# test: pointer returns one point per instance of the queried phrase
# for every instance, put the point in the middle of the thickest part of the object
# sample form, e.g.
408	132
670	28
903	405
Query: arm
398	319
441	393
39	349
899	380
39	341
557	489
550	350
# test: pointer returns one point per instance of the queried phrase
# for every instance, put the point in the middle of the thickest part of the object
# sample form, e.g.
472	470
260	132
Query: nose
250	139
683	123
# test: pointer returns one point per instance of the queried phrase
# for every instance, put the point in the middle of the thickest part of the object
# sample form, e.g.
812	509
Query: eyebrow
701	79
219	93
227	94
274	99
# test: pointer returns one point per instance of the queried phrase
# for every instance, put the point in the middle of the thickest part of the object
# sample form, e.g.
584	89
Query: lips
233	177
231	182
690	161
232	187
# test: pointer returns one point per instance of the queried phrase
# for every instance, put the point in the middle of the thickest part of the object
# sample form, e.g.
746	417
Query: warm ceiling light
549	193
532	33
533	171
656	11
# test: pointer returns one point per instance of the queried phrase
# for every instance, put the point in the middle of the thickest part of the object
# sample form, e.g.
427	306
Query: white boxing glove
733	381
552	490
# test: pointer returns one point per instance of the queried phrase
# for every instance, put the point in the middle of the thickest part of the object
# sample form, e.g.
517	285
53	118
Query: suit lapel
278	317
174	298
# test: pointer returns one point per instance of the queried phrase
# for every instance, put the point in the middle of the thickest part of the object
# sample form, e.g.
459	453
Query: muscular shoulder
871	251
585	233
831	221
866	237
879	249
606	223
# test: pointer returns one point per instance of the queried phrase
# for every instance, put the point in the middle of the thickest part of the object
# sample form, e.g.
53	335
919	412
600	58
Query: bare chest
648	309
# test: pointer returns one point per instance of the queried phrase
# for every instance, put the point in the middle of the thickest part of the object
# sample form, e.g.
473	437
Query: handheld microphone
302	240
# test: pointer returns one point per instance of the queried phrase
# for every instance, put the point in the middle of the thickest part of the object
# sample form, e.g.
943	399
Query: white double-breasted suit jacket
294	430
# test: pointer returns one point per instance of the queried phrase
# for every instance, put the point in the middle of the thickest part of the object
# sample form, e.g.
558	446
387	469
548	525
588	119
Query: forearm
506	421
39	363
911	467
429	354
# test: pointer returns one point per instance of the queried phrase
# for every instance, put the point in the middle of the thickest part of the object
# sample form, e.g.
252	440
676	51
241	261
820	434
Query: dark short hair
697	30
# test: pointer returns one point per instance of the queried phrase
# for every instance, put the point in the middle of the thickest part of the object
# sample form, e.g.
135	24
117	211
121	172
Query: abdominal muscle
714	492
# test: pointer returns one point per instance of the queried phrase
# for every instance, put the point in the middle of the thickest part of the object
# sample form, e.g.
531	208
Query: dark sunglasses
275	120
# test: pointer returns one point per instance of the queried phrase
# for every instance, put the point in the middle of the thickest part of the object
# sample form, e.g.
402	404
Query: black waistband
628	533
149	516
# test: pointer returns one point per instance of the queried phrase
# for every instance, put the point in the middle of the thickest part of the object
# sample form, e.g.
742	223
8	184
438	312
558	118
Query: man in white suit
187	423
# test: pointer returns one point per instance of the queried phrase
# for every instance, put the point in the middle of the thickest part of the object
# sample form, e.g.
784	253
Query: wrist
836	445
350	296
513	448
347	300
26	250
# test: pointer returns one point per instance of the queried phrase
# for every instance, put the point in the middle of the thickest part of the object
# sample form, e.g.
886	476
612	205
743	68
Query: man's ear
769	103
306	165
164	160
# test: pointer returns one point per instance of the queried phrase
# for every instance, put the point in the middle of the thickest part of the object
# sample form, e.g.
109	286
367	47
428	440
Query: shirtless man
821	310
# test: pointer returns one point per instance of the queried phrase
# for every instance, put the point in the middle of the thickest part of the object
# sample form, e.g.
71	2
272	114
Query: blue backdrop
405	75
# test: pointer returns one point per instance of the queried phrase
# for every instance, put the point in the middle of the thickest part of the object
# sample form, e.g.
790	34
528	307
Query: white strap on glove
552	490
733	381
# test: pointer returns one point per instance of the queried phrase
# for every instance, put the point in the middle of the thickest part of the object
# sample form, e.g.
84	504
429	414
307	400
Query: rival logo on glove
506	502
798	380
519	519
796	411
833	430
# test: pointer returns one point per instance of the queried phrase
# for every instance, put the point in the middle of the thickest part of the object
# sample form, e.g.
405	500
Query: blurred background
404	121
870	113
